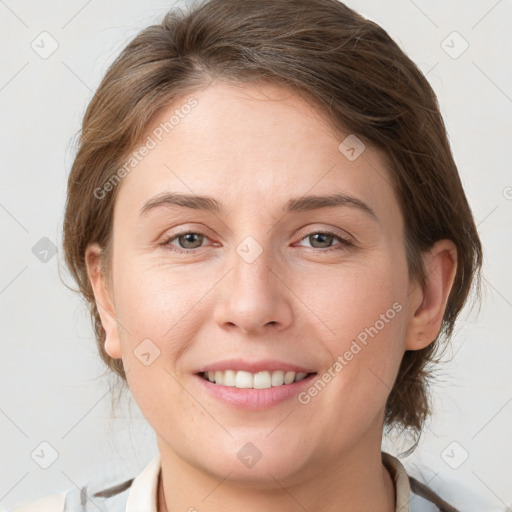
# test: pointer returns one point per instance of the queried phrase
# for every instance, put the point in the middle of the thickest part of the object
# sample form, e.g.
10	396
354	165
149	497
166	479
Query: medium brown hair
345	65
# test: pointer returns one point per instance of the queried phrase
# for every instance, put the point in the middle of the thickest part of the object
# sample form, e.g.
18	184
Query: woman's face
256	286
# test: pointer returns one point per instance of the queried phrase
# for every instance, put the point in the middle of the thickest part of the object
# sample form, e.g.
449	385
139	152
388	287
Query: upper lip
269	365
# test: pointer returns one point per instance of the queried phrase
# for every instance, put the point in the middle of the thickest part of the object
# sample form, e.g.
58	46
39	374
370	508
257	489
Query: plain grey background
54	54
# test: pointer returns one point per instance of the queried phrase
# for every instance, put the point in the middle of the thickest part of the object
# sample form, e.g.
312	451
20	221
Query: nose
254	297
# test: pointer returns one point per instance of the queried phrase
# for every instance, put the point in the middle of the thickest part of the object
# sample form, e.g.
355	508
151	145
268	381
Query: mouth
254	385
260	380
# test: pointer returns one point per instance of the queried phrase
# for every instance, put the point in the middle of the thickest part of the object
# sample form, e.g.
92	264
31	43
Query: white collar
144	488
400	479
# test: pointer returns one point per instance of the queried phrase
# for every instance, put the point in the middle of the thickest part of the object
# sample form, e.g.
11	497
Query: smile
247	380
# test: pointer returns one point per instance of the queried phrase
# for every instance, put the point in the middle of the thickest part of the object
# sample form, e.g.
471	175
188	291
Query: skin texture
254	147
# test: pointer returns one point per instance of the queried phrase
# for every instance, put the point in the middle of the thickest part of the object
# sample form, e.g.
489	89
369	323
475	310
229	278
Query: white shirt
140	494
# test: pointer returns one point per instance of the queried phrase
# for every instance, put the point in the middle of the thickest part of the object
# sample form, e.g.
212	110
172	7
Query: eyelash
345	243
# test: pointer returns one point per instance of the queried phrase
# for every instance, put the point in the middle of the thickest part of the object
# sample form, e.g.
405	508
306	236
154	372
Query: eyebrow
209	204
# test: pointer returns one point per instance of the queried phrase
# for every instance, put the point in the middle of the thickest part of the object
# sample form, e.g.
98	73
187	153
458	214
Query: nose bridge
253	256
253	296
252	263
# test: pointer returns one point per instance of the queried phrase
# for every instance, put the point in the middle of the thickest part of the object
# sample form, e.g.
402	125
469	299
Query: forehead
249	144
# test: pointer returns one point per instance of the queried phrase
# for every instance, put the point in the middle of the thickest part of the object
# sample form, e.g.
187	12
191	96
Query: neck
342	486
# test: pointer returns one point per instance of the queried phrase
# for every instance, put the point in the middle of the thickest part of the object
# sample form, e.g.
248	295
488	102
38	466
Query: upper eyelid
302	235
342	239
302	229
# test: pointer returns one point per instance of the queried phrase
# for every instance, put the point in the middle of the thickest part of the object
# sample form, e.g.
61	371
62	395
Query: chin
258	464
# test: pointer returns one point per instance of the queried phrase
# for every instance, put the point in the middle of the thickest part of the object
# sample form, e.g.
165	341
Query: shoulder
108	498
424	499
411	494
111	491
105	494
53	503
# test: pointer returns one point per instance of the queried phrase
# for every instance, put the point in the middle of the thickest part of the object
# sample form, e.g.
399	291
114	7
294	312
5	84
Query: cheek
355	387
352	299
153	306
363	316
151	299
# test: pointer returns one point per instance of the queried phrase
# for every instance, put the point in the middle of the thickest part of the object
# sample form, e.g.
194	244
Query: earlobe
429	303
104	300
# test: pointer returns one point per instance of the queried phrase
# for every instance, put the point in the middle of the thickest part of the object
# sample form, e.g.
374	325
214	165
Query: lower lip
257	399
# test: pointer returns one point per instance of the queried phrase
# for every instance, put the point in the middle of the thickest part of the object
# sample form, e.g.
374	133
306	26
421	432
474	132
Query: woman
266	219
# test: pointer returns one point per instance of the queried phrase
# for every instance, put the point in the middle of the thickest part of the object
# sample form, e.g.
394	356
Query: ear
429	303
104	300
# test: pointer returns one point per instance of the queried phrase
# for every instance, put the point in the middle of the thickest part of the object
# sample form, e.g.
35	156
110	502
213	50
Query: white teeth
277	378
260	380
300	376
288	377
229	378
243	380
